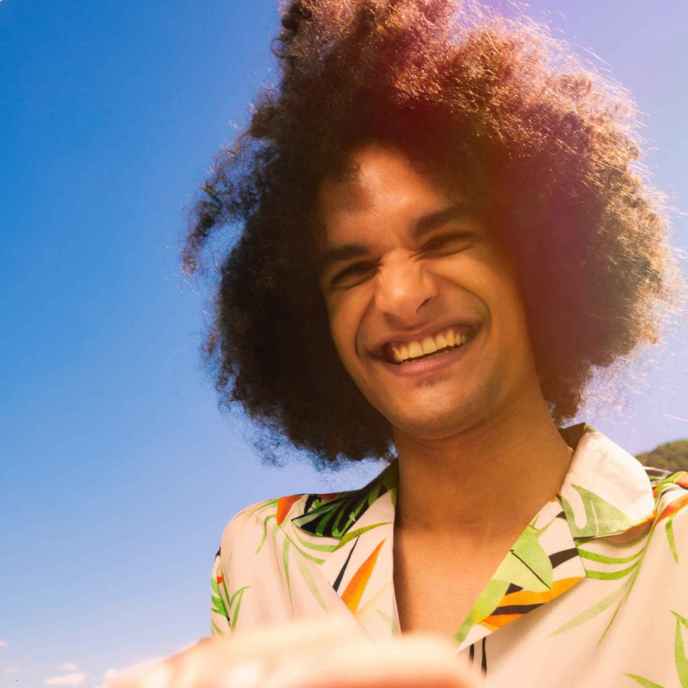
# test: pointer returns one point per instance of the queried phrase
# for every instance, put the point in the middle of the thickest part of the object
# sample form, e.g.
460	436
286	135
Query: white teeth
415	350
429	345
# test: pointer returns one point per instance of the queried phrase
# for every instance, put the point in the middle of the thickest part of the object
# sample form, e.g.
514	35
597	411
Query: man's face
408	267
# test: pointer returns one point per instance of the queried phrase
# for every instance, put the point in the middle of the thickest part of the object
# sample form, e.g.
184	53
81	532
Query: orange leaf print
354	590
674	507
498	620
283	506
526	597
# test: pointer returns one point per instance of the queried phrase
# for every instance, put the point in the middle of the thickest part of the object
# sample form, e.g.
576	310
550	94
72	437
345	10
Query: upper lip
418	335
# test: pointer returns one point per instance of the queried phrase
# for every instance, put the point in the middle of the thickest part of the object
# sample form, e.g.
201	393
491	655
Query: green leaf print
217	600
305	555
235	605
597	511
646	683
671	540
612	575
680	651
604	559
224	604
266	520
346	520
261	506
219	606
285	564
351	535
325	518
527	564
679	657
334	517
669	482
486	603
327	514
310	582
596	609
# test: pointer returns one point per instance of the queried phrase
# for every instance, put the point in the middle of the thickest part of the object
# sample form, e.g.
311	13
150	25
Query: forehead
378	180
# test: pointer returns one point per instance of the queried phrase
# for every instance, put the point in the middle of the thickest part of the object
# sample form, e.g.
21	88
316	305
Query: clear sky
117	471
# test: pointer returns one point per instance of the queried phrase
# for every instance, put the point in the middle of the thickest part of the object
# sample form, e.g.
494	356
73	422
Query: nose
403	287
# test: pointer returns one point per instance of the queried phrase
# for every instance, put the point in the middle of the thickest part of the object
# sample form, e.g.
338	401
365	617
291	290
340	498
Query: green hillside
671	456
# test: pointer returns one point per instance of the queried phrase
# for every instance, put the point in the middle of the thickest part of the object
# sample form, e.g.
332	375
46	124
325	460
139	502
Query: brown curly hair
547	147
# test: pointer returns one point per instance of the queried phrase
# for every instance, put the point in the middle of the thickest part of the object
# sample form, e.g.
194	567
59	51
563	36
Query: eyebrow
426	224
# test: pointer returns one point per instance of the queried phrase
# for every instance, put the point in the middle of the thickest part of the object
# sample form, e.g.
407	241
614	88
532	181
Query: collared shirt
594	592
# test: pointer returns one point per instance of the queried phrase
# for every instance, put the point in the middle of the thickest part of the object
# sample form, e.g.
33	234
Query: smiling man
427	319
443	233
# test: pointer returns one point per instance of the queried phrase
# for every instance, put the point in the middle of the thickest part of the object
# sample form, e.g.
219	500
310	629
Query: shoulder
323	514
255	518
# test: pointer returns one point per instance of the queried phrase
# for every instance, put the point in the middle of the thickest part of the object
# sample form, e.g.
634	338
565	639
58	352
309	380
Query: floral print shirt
594	592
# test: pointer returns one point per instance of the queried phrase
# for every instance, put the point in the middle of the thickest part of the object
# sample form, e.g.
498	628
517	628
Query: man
442	235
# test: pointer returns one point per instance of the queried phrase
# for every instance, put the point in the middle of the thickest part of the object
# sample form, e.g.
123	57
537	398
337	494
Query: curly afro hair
547	147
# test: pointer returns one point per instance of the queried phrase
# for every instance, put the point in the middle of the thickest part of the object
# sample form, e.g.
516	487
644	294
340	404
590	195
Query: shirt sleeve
220	623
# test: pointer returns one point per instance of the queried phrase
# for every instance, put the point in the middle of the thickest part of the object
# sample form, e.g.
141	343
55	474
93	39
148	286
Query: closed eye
355	269
447	244
455	240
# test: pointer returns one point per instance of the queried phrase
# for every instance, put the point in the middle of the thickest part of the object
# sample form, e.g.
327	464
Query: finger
296	635
414	661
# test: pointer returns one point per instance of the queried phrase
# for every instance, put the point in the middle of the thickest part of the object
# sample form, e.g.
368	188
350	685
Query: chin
435	420
431	424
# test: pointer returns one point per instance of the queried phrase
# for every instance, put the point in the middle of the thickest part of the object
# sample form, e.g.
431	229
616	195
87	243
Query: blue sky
117	471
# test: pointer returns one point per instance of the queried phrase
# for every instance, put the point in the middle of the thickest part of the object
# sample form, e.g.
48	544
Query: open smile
431	362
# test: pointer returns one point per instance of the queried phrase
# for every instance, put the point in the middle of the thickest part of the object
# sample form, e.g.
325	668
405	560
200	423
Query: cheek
473	271
345	326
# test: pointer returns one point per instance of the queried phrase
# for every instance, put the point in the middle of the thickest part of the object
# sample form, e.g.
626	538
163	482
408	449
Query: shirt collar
606	490
605	493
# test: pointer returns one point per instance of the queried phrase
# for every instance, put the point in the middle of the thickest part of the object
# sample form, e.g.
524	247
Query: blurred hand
331	654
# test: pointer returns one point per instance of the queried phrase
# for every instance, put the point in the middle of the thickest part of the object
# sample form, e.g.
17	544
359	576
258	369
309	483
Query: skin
476	434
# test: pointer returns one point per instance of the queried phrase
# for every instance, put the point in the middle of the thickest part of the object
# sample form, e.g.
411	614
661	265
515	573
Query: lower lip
423	366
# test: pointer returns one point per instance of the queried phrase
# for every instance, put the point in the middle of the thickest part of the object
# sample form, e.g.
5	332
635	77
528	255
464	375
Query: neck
489	479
